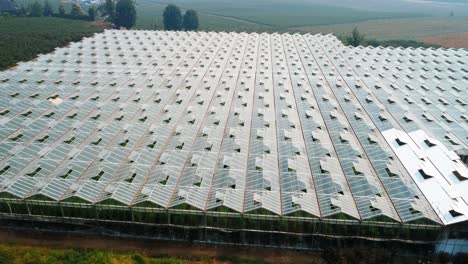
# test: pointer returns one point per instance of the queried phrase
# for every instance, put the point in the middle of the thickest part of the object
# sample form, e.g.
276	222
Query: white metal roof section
438	172
249	123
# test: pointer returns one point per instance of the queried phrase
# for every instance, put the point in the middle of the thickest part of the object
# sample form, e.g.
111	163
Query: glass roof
285	123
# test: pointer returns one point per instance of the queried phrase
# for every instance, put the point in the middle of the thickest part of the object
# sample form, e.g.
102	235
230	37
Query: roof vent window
454	213
429	143
459	176
424	174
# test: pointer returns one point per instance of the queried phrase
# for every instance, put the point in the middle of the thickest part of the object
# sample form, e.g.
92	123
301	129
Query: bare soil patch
454	40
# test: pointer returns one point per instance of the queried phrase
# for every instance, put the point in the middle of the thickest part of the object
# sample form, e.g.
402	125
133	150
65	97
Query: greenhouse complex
255	139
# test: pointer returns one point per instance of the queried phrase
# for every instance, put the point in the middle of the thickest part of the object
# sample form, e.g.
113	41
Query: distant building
8	7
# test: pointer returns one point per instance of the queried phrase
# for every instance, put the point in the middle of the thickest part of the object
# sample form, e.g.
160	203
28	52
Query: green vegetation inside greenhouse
75	199
188	217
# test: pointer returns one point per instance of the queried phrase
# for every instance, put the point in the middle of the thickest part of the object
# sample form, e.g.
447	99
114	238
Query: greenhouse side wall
221	227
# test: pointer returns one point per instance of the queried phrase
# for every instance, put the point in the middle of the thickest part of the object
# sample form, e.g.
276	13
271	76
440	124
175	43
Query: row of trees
76	12
120	12
173	19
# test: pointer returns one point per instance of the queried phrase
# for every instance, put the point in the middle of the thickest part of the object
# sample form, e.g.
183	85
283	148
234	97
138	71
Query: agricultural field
272	16
456	40
23	38
150	17
315	16
279	15
451	1
386	29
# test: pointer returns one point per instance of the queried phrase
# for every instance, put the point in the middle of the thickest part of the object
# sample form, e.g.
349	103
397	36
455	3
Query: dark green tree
172	18
48	10
92	13
22	11
190	21
76	11
108	9
36	10
125	13
356	38
61	10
